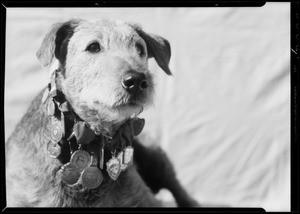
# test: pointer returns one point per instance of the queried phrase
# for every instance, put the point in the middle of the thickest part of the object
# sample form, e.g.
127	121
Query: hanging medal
113	167
69	175
92	177
51	107
128	155
56	132
54	149
80	159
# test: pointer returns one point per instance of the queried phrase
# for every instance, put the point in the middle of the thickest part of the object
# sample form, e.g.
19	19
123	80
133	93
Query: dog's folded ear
157	47
48	48
45	53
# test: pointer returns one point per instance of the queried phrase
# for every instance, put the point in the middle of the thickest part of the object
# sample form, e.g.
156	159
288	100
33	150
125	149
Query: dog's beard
107	117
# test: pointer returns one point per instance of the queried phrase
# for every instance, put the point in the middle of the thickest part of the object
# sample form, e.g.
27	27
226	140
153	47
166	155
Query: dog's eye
94	47
140	49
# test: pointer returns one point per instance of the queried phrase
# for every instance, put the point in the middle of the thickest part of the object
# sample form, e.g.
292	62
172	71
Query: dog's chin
108	116
133	103
132	108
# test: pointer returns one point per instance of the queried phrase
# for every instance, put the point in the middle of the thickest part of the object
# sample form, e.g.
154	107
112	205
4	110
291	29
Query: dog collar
82	151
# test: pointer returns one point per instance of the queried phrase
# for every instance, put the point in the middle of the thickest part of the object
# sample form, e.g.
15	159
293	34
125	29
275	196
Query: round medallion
91	177
69	174
80	159
56	131
54	149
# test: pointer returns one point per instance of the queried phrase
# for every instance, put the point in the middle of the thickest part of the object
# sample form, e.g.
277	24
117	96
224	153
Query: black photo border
295	52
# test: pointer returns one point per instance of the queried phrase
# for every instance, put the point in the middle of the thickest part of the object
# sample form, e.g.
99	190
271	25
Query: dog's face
104	65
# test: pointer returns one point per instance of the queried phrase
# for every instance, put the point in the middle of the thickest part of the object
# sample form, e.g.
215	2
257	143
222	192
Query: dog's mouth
137	100
125	107
134	101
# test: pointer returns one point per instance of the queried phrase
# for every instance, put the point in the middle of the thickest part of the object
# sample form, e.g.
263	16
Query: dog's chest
119	193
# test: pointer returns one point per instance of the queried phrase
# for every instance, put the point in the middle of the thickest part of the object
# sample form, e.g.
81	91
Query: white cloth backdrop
223	118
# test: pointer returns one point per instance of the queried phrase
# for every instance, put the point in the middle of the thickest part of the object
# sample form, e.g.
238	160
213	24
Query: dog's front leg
130	190
158	172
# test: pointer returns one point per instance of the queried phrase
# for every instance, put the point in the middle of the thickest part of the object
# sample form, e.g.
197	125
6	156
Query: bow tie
125	133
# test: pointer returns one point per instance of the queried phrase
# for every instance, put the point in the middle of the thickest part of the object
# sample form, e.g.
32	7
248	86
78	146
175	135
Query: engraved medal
56	131
53	149
91	177
128	154
51	107
80	159
69	175
113	167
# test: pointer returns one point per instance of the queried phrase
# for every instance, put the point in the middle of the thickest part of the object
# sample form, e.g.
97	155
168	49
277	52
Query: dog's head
104	66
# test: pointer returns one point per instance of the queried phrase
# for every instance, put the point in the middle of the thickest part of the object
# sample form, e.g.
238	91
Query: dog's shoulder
27	165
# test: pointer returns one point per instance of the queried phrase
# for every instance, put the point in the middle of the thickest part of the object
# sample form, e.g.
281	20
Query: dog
77	145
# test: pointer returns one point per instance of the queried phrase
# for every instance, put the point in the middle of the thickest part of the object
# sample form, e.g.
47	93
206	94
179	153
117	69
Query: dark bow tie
125	133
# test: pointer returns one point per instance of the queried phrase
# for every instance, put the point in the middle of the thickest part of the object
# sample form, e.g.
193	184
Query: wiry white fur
93	80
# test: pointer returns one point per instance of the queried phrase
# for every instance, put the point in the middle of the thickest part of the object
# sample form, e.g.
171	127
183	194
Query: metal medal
56	131
69	174
51	107
91	177
80	159
128	154
53	149
113	167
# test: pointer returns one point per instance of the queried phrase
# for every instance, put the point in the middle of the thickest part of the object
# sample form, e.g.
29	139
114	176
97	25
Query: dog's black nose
134	81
